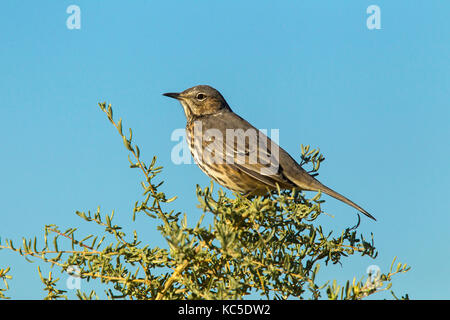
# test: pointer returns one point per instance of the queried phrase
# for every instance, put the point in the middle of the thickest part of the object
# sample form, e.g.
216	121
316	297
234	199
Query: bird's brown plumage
249	162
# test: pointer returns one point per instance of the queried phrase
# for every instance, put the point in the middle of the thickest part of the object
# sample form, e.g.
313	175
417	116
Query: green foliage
5	277
268	246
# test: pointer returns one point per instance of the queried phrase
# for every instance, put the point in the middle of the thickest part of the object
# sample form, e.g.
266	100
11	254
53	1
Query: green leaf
127	143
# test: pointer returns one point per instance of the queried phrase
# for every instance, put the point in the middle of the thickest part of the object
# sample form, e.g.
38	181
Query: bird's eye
201	96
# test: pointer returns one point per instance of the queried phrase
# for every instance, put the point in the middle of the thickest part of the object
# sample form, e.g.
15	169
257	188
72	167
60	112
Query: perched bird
237	155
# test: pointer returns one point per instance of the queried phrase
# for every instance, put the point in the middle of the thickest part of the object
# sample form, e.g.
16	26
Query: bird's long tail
311	184
340	197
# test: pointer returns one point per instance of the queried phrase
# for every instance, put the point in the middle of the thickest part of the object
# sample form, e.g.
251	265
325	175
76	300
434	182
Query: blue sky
376	103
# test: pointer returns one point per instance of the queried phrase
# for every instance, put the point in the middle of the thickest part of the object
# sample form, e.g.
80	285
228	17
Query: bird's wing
230	138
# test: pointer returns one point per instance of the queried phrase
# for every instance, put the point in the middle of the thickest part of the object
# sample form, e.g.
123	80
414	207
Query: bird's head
199	101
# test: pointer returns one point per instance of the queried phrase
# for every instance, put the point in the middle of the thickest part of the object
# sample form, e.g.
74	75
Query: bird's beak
174	95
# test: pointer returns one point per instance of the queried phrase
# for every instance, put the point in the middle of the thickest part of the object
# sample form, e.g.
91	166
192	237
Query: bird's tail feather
311	184
340	197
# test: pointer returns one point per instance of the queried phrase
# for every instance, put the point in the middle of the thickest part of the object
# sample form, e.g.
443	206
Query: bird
238	156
